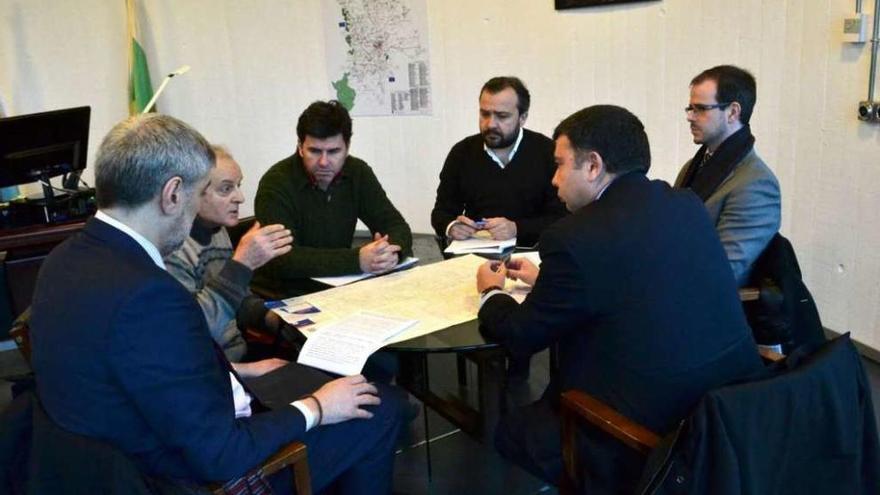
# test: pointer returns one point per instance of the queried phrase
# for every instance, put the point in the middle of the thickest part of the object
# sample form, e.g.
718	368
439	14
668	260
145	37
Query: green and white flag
140	89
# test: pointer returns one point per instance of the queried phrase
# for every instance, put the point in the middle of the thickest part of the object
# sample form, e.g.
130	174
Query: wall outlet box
869	111
855	28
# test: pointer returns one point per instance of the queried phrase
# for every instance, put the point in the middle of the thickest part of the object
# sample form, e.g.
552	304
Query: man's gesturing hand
260	244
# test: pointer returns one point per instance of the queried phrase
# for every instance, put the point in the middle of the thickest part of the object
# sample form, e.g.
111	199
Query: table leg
461	368
426	385
414	377
490	378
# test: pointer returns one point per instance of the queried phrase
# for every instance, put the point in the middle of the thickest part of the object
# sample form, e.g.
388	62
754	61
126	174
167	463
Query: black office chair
65	462
807	427
781	310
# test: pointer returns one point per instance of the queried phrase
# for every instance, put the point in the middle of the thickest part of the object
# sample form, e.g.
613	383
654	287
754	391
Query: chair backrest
784	311
65	462
809	428
244	224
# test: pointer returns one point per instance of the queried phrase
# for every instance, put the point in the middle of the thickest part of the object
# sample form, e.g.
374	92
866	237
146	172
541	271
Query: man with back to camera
218	275
498	180
122	353
635	289
739	190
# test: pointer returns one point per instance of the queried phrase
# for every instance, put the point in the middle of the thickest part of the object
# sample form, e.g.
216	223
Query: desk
22	251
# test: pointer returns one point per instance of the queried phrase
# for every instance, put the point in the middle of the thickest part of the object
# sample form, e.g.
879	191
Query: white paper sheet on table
479	245
343	347
438	295
348	279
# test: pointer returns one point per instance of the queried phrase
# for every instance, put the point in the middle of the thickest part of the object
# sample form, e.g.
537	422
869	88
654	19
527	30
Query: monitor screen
43	145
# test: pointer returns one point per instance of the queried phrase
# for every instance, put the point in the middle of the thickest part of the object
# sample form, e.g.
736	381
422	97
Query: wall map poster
377	55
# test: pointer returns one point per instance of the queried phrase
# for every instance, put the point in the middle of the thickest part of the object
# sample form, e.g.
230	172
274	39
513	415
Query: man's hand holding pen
499	228
491	274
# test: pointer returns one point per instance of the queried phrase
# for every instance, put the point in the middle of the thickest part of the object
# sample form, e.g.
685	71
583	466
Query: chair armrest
254	335
578	406
576	403
21	334
290	454
293	455
267	294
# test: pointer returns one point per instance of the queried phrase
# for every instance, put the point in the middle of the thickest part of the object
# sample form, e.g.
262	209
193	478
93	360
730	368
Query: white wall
257	64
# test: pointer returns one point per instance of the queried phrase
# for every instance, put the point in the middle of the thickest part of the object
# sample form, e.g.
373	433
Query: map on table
377	56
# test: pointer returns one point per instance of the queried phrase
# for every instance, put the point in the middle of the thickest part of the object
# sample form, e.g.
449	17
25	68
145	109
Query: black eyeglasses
700	108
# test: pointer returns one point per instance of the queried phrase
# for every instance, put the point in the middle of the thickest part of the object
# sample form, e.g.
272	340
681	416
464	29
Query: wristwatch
490	289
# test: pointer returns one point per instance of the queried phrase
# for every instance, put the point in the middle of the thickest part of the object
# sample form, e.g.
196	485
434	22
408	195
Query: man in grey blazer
739	190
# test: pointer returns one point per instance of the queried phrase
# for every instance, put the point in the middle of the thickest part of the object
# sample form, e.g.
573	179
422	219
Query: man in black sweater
498	180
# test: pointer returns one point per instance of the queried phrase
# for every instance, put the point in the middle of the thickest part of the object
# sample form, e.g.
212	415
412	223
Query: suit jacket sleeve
557	304
449	203
175	379
748	220
380	215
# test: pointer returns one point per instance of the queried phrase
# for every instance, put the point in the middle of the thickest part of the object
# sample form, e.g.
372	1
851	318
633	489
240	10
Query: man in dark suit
635	290
122	353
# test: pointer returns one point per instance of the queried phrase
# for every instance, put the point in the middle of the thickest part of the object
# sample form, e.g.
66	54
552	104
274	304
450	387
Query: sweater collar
303	179
202	231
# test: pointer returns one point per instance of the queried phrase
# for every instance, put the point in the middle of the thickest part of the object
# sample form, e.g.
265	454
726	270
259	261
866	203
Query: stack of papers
476	245
348	279
344	346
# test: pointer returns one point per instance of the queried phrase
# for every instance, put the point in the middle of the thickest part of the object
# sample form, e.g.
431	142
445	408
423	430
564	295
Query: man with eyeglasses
739	190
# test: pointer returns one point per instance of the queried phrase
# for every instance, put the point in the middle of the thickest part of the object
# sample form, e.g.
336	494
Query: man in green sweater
319	193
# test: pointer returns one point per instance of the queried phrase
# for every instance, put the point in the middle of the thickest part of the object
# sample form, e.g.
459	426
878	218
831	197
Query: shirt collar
148	246
495	158
602	191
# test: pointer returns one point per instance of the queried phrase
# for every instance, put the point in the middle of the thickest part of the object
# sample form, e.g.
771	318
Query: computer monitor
39	146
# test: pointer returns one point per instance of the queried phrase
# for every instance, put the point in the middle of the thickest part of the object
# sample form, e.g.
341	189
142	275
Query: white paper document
437	295
344	346
476	245
348	279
